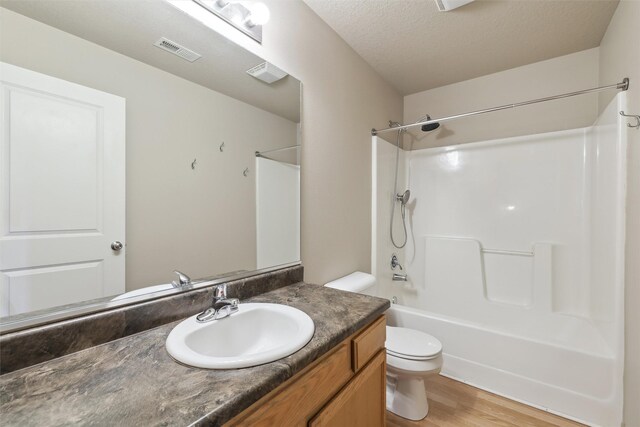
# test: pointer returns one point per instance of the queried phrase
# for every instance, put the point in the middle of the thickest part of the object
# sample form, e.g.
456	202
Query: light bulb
259	14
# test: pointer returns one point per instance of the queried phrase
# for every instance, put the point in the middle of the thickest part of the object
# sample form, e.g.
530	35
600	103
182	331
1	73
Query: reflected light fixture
447	5
258	14
246	16
453	159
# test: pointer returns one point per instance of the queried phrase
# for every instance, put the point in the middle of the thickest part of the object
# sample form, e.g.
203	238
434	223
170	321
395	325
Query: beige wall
551	77
343	98
620	57
199	221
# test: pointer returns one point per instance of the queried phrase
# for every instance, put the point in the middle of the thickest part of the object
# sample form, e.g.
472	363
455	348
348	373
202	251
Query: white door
62	192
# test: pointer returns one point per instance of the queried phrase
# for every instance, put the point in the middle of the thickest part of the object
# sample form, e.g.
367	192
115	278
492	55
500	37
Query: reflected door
62	166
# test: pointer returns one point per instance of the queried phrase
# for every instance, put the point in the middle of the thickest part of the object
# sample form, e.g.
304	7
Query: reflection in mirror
134	144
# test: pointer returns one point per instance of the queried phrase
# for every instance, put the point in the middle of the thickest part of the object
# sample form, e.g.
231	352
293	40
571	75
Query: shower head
404	197
428	127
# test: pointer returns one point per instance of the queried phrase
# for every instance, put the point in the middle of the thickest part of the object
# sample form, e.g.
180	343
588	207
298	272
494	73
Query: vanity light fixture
246	16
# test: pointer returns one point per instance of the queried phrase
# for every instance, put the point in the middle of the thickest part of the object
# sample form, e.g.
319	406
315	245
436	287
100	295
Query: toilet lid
411	344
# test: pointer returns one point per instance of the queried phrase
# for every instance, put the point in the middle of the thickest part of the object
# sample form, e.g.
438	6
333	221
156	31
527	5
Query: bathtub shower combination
514	261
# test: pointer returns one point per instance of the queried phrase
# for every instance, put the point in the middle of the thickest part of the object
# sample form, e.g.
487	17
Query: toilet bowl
411	357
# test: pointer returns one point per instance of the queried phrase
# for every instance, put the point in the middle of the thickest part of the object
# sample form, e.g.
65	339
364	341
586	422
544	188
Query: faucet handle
220	292
395	262
183	280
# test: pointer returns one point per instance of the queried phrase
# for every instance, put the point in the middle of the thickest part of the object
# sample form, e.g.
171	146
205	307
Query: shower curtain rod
624	85
260	153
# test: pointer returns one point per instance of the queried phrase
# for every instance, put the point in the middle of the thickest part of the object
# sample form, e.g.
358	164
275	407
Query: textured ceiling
131	27
415	47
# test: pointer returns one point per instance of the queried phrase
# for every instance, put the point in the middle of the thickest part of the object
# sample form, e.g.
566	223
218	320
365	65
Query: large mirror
135	143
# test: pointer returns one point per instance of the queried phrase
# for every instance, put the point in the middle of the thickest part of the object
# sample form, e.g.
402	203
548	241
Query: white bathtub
574	384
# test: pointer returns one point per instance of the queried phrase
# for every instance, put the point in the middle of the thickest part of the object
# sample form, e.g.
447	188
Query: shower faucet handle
395	263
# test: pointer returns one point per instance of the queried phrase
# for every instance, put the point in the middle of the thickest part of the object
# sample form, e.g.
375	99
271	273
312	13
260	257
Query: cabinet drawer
293	404
366	344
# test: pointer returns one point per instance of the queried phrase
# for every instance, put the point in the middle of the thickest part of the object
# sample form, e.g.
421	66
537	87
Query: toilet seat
407	357
409	344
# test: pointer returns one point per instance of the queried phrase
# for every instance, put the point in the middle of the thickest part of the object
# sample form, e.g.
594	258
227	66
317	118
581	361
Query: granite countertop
134	381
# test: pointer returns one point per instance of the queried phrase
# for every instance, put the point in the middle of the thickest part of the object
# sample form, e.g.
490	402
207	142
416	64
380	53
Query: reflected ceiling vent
176	49
267	72
447	5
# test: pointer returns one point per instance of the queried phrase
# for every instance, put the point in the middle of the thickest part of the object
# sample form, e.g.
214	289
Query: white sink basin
255	334
143	291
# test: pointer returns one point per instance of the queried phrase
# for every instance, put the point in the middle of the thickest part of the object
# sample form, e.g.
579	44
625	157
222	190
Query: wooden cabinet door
361	403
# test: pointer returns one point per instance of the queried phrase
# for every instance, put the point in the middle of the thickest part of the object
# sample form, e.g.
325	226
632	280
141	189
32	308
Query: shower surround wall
515	262
383	171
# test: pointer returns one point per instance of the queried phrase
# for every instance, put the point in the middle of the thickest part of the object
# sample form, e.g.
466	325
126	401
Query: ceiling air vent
176	49
267	72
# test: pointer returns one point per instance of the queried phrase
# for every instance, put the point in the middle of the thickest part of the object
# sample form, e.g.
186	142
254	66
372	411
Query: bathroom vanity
336	379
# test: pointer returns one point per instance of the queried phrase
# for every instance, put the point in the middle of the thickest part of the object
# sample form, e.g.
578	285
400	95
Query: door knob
116	246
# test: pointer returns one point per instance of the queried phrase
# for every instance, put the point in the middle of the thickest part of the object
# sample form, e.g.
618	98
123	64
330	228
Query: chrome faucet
399	277
183	280
221	306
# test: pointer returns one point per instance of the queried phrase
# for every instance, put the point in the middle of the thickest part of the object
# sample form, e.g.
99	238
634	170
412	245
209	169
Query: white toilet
411	357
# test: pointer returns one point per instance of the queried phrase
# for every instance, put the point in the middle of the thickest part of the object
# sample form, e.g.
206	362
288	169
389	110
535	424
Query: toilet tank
357	282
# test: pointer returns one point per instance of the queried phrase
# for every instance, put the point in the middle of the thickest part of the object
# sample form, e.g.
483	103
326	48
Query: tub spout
399	277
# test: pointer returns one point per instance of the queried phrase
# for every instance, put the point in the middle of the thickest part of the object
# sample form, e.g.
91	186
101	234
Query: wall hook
637	125
245	172
222	147
193	164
